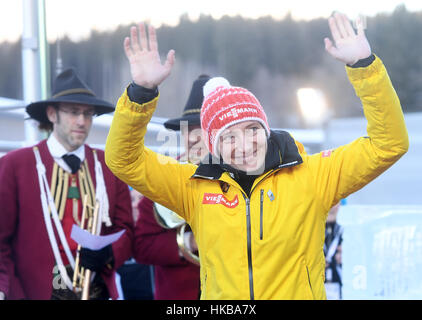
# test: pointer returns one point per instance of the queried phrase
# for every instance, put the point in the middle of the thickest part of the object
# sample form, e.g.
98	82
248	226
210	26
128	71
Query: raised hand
145	64
349	47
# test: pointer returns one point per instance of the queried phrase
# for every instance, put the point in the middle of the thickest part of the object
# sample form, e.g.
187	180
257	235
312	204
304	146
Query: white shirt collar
57	150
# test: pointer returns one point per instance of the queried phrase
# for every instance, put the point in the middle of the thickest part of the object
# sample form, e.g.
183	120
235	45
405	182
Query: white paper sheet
90	241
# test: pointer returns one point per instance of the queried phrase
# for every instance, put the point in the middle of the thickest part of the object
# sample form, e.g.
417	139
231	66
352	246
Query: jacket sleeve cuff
363	63
141	94
358	74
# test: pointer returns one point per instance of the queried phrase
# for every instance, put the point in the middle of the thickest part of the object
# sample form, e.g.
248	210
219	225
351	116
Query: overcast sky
77	18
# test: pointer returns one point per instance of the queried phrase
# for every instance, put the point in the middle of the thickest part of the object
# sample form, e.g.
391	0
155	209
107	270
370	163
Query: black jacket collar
282	152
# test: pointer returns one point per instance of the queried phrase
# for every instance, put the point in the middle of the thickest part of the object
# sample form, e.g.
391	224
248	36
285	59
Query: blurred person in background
136	280
36	250
176	275
332	252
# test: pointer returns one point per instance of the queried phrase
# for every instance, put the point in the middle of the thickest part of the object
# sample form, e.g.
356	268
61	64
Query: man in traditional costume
47	188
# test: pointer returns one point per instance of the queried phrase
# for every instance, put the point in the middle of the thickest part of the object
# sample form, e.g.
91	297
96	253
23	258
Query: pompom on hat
224	106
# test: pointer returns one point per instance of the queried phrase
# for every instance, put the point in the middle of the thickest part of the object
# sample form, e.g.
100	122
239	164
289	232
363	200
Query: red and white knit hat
224	106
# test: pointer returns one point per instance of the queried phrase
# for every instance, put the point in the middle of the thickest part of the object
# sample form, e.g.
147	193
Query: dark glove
96	260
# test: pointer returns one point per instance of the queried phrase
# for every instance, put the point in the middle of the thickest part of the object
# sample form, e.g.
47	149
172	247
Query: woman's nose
245	144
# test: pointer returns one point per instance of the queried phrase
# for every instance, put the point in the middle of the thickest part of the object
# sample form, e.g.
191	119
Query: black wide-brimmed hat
192	111
68	87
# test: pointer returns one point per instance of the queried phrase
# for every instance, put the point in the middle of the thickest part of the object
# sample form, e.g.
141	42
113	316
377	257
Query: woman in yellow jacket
258	204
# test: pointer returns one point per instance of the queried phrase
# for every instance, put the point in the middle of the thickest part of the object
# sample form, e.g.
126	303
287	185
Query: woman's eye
228	139
253	130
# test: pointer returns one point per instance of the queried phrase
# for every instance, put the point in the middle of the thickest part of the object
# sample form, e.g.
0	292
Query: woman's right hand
145	64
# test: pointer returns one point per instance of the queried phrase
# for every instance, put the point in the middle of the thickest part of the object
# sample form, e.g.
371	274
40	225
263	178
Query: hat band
73	91
191	111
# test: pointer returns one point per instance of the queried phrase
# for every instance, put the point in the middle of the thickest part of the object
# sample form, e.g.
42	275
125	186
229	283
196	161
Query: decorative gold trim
84	189
90	183
54	179
73	91
190	111
85	182
81	175
65	190
58	191
59	188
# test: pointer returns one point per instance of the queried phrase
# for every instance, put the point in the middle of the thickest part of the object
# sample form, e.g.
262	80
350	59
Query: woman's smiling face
244	146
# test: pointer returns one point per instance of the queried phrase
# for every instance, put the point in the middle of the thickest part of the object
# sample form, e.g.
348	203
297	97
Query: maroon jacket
175	278
26	257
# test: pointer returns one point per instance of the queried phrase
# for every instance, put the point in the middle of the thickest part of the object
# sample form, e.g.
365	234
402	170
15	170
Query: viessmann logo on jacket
218	198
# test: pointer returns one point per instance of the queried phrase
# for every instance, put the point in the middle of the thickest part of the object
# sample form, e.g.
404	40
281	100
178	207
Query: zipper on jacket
261	216
248	230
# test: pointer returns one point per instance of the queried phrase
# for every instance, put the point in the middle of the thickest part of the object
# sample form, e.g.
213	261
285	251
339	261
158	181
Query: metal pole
31	68
44	56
